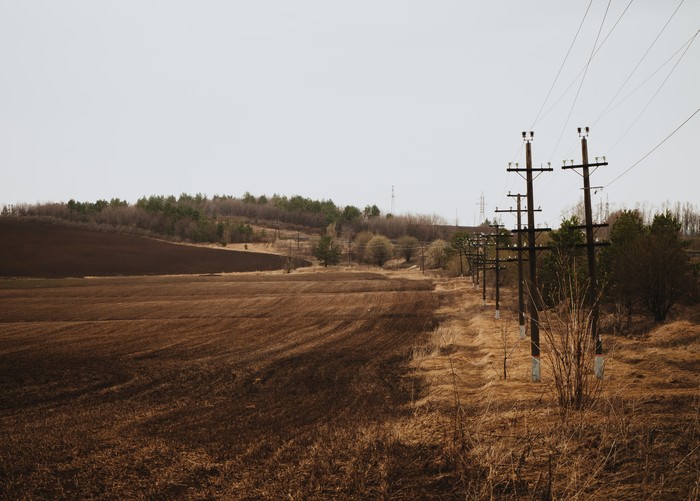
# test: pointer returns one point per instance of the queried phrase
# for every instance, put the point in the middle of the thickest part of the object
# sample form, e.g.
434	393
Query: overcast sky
343	100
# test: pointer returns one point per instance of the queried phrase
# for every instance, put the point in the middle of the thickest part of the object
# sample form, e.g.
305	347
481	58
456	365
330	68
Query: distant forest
226	219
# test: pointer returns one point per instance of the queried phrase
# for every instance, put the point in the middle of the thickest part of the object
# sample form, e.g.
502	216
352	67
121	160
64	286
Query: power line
551	88
562	66
607	109
566	91
573	104
690	41
650	100
655	147
574	208
642	59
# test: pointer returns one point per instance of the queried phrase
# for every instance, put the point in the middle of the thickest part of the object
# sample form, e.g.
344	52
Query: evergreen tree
564	263
327	251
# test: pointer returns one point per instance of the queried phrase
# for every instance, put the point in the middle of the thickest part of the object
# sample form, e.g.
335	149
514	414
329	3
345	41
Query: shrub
380	250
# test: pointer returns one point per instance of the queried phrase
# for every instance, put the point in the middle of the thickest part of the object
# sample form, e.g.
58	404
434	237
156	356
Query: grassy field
640	438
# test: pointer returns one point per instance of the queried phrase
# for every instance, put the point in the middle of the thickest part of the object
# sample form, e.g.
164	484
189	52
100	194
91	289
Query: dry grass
323	385
640	439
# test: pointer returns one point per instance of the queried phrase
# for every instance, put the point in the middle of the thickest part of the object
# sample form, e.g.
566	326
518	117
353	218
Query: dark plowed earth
31	248
236	387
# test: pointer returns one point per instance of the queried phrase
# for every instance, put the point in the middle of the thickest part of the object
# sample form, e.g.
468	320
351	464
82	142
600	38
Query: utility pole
498	269
470	258
521	295
422	257
474	259
483	267
590	247
532	254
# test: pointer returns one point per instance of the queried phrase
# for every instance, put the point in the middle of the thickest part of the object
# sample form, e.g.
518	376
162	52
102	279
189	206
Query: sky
350	101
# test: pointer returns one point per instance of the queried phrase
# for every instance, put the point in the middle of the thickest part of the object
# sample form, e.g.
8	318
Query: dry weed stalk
507	348
570	347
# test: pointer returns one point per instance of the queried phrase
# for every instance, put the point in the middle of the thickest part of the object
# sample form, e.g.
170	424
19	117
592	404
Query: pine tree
327	251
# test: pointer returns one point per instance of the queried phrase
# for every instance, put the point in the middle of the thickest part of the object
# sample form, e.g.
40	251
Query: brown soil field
238	387
35	248
325	384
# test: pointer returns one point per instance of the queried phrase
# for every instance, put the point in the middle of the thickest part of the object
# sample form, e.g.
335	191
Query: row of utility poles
527	284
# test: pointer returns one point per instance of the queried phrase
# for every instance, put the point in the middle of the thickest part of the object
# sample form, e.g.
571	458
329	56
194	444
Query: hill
42	249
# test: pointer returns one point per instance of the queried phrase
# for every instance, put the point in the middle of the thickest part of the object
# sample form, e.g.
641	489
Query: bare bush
566	330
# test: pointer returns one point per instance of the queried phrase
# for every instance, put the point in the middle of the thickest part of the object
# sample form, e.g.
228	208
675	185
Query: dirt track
242	387
30	248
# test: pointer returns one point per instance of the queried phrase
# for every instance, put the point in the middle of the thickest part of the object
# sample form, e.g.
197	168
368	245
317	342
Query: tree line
228	219
645	268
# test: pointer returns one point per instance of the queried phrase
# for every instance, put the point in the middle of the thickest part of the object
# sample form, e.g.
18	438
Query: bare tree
569	345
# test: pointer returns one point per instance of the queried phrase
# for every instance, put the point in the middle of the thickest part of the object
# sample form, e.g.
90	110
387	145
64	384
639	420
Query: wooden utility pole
590	247
483	266
422	257
532	254
498	269
521	295
474	259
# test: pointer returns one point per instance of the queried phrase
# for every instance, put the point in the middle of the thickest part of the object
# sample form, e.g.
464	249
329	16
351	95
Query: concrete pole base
536	369
599	366
498	314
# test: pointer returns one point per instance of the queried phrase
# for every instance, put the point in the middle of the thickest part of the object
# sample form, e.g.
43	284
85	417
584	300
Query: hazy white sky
343	100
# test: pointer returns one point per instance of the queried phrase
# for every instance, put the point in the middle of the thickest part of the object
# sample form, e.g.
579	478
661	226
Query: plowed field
43	249
241	387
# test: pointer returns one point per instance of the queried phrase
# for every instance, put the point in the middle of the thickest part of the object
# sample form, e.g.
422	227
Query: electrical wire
690	41
575	79
640	61
578	91
551	88
595	52
608	108
650	100
566	57
655	147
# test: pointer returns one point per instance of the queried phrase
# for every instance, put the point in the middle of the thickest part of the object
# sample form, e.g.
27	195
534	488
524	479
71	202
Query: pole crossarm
581	166
509	260
594	244
525	230
533	169
515	211
527	247
595	225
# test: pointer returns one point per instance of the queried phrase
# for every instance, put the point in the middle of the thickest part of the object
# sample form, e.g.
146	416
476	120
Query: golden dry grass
640	439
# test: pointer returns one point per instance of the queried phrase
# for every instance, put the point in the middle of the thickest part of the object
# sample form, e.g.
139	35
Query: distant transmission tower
482	208
392	199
